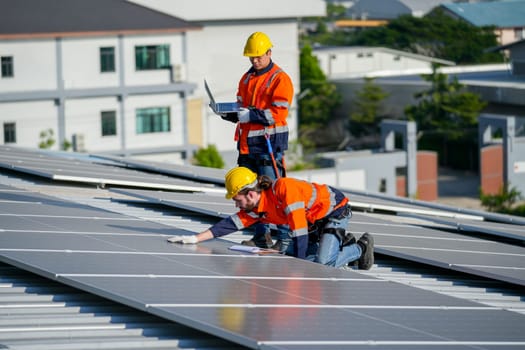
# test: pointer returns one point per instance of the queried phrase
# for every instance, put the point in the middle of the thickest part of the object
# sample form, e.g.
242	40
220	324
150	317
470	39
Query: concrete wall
513	150
215	54
344	62
58	84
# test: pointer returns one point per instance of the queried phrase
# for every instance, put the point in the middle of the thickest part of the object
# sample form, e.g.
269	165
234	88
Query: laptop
220	107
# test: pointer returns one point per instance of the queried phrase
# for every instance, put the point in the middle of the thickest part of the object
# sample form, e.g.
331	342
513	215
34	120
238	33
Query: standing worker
265	94
318	216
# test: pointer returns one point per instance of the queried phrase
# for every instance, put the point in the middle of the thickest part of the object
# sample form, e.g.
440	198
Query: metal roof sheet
20	18
362	304
502	14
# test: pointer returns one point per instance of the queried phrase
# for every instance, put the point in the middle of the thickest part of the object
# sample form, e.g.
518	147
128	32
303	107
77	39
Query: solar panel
401	204
71	168
273	302
419	243
192	172
368	203
512	231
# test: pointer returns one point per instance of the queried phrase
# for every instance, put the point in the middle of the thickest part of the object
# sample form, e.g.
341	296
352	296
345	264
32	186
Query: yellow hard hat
237	179
257	45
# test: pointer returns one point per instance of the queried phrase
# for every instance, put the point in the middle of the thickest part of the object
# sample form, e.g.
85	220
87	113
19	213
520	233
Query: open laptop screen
220	107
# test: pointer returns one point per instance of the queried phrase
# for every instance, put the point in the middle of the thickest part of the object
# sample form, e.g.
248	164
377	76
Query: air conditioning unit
78	143
179	72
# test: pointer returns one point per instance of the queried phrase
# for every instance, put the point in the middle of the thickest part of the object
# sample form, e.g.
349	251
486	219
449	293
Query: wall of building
359	61
216	54
34	65
85	92
427	176
30	119
491	169
70	100
499	132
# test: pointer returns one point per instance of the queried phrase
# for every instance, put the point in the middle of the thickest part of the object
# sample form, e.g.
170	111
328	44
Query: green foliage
320	97
334	11
434	35
46	139
365	120
209	157
445	107
503	201
66	145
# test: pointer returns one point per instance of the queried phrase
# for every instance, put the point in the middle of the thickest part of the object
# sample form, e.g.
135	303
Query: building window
9	133
7	67
152	57
397	58
519	33
153	120
107	59
108	121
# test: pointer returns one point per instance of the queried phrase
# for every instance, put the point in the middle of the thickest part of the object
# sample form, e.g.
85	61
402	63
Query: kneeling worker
317	215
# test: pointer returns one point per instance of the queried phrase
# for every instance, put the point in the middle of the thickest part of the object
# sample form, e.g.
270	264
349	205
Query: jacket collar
265	70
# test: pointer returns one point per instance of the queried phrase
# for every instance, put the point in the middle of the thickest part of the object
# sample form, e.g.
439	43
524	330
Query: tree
434	35
319	97
334	11
366	117
446	117
209	157
445	106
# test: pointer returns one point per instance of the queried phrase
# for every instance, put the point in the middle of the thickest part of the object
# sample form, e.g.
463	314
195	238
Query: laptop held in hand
220	107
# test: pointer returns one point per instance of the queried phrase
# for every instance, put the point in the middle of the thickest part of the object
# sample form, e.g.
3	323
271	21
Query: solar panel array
419	243
271	301
375	201
70	167
191	172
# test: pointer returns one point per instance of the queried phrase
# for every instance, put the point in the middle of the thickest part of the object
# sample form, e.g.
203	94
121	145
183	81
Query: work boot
261	241
366	242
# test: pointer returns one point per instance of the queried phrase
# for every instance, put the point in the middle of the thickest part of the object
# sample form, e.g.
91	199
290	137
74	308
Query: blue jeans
328	251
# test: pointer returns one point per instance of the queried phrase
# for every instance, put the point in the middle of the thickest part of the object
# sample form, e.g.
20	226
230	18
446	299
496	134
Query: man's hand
231	117
244	115
192	239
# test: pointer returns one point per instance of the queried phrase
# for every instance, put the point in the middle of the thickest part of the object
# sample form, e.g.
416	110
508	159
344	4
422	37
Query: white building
122	78
359	61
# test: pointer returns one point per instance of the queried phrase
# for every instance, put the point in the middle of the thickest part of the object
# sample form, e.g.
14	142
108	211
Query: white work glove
192	239
244	115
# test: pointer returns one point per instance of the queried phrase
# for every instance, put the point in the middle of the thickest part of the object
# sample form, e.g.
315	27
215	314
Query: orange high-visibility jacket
295	203
269	96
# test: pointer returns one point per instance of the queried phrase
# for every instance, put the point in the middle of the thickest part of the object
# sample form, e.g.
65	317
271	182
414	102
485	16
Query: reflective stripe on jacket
295	203
269	96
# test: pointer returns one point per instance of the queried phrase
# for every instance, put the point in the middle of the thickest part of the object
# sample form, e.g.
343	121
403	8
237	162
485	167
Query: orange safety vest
271	93
295	203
